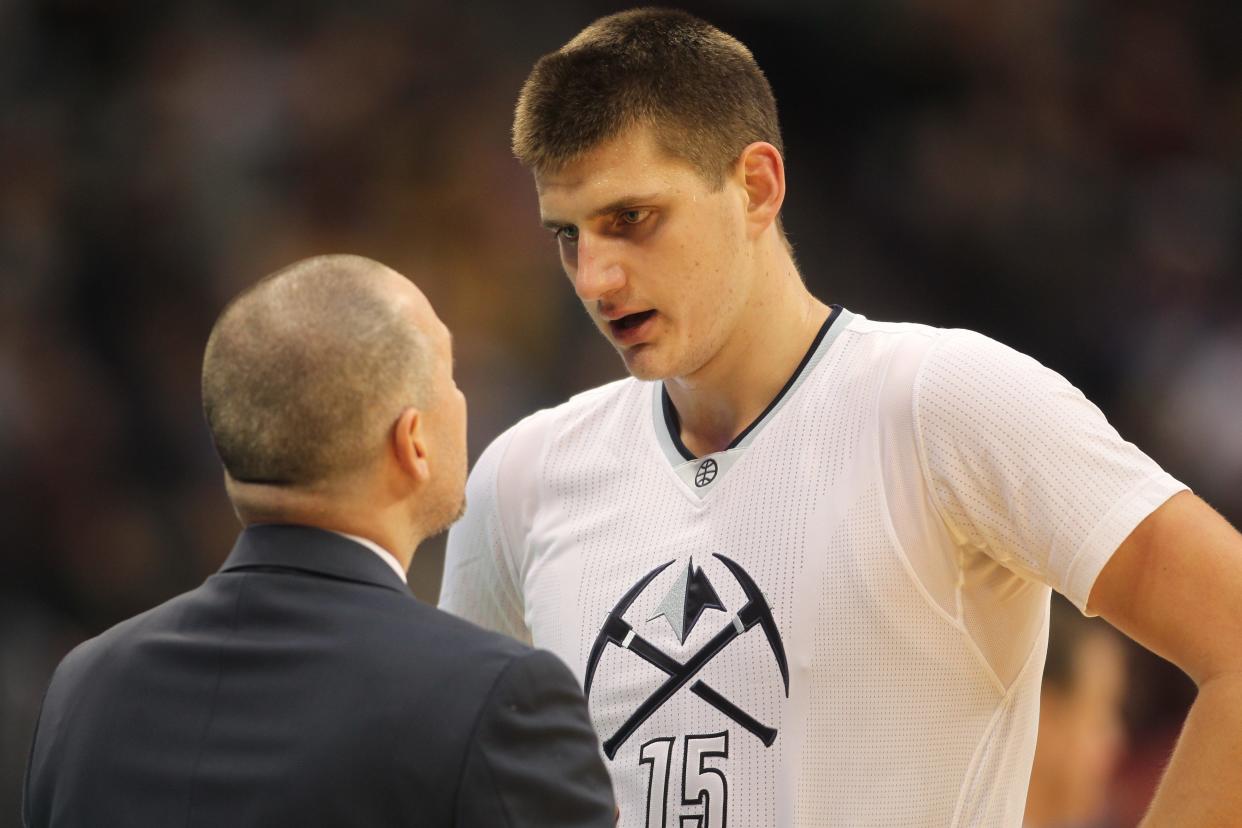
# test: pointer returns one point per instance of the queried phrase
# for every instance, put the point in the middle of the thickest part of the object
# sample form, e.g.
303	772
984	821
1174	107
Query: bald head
306	371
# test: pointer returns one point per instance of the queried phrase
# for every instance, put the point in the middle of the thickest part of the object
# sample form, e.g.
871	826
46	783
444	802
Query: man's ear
762	172
410	445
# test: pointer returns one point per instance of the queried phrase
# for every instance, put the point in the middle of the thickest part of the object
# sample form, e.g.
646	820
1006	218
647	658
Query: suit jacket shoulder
300	684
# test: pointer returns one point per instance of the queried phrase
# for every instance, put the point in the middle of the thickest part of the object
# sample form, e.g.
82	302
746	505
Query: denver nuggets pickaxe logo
617	630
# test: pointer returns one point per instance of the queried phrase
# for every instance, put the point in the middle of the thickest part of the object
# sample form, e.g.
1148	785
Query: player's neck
731	391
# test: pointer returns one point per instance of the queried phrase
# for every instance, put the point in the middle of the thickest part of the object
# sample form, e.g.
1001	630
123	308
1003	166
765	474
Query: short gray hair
305	372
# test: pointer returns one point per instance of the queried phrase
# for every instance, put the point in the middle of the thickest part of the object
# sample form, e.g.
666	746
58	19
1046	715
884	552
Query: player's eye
633	216
567	233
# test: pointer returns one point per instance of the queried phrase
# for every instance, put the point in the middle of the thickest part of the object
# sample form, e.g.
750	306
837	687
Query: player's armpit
1175	586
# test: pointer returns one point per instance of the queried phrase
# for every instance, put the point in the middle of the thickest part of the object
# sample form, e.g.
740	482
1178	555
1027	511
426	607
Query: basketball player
801	559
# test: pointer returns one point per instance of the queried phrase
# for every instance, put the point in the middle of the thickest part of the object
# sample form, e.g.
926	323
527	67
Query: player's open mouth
630	328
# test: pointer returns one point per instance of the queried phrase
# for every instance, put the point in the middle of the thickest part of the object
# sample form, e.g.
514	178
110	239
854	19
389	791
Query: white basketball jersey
841	620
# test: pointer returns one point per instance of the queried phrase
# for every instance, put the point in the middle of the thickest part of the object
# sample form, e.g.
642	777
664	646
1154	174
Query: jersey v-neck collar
697	471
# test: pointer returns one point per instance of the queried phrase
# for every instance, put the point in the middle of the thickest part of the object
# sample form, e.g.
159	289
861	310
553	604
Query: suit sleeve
533	759
484	556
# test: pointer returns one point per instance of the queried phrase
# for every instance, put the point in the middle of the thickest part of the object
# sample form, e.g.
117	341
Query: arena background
1064	176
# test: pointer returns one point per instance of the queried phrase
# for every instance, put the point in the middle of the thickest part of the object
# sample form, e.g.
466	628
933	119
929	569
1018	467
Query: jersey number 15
701	784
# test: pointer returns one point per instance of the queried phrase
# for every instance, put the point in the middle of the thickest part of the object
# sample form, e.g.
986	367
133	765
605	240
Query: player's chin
645	362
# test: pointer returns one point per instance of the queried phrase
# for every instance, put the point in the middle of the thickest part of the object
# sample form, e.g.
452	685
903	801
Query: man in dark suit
302	684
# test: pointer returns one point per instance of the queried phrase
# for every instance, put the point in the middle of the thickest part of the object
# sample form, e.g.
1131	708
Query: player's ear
762	172
409	445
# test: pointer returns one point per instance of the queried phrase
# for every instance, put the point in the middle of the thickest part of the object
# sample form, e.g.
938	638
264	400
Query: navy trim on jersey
673	422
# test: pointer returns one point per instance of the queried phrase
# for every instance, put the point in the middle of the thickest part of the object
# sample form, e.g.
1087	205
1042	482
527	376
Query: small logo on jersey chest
691	594
706	473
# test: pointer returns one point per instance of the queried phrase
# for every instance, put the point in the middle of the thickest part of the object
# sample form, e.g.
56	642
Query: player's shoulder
588	406
914	344
530	436
913	365
860	325
888	335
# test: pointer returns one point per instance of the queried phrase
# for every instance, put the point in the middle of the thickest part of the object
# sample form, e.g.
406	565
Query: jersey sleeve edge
1112	530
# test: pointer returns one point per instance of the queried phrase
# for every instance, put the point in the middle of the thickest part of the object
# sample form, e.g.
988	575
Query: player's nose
599	271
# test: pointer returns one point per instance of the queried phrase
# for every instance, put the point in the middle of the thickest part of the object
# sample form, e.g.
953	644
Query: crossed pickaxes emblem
617	630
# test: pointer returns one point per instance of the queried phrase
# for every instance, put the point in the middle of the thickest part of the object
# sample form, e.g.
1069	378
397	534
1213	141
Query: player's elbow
1216	667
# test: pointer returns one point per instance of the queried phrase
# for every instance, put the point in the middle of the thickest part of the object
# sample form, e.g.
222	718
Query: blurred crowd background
1064	176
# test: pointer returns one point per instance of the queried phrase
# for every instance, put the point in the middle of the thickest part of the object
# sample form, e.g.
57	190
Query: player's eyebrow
616	205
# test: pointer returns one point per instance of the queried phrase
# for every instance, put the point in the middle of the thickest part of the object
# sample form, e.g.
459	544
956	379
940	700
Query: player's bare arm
1175	586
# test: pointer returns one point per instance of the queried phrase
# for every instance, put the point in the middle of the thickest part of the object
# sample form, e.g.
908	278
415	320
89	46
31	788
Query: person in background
1081	734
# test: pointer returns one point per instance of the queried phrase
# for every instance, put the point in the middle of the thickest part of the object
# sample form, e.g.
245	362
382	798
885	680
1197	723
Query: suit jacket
302	685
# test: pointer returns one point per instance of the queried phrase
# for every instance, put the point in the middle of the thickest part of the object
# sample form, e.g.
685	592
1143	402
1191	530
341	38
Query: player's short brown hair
699	89
305	372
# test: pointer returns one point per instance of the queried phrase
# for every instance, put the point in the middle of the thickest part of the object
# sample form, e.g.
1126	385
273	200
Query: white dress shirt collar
386	556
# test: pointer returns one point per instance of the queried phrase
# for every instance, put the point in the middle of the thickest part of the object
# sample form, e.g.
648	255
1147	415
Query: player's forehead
629	167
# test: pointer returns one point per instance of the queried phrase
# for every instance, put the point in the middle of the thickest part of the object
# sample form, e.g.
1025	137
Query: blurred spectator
1081	735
